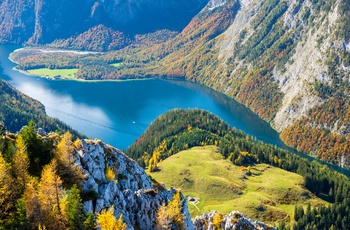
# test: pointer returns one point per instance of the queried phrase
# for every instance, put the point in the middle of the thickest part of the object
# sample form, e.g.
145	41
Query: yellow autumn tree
109	173
162	221
50	191
217	220
65	148
8	191
107	221
21	162
174	211
34	214
153	162
66	162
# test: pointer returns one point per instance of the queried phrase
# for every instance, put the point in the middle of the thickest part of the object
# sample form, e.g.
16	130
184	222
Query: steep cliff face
289	62
16	20
304	63
133	195
43	21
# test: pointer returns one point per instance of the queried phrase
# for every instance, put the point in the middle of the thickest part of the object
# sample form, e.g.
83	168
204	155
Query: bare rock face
234	220
131	193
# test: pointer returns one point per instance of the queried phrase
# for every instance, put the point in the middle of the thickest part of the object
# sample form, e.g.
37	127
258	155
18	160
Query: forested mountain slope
182	129
87	184
17	109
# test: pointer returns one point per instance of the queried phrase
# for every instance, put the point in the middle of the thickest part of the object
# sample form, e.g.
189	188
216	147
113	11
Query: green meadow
116	64
266	193
51	73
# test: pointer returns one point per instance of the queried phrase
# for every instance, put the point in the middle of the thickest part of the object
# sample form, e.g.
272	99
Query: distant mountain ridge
43	21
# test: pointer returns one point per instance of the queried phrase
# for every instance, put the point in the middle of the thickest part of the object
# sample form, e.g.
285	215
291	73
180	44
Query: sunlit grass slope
66	73
267	193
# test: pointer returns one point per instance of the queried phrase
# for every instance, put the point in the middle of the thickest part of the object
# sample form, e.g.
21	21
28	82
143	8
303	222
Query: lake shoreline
183	79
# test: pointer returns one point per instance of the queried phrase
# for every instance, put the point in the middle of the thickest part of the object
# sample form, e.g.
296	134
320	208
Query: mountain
17	109
43	21
131	192
183	129
288	61
88	184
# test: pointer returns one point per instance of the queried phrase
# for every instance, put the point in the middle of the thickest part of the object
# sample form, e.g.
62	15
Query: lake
118	112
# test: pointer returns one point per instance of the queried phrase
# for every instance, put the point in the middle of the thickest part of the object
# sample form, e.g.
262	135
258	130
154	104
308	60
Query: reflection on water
119	112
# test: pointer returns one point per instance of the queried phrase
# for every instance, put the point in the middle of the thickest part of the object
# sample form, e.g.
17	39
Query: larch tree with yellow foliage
218	220
66	162
107	221
163	221
173	211
170	216
50	191
21	163
34	214
8	192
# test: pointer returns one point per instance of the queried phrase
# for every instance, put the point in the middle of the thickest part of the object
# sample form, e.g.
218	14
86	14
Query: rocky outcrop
131	193
234	220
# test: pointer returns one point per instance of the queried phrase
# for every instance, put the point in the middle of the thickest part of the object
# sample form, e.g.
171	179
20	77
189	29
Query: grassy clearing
51	73
268	194
116	64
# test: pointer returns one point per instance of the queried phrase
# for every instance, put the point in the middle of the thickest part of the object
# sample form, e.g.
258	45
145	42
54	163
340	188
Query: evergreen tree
39	153
89	223
74	209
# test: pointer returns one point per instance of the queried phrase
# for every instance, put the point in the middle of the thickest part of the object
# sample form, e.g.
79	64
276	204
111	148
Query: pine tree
20	218
38	152
74	209
89	223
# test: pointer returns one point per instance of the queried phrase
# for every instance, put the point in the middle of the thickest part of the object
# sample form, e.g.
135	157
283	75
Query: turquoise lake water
119	112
